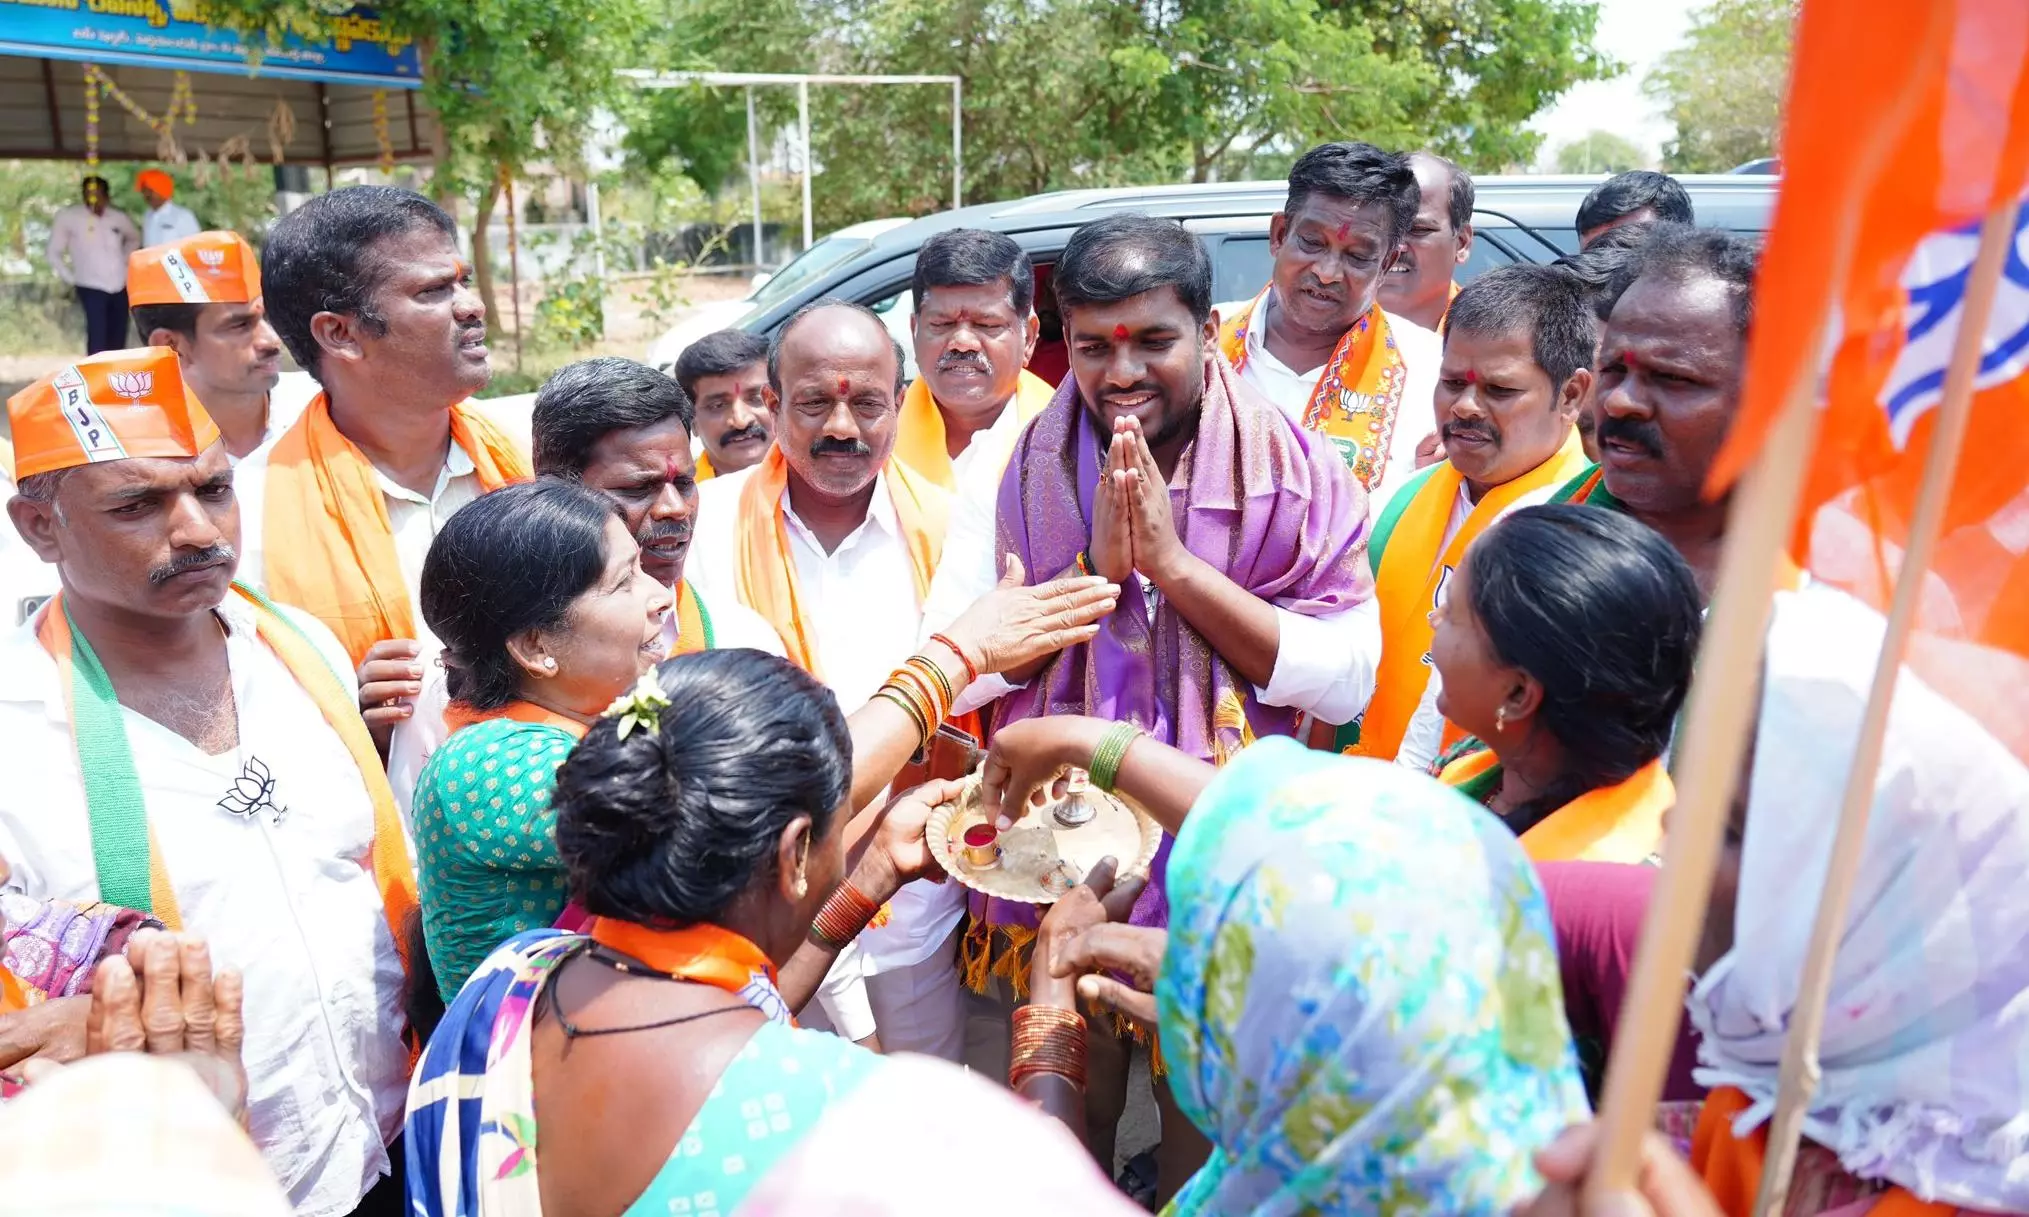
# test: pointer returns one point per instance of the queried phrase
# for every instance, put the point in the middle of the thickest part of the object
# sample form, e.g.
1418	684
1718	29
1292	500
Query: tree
1495	63
1599	152
512	82
1724	86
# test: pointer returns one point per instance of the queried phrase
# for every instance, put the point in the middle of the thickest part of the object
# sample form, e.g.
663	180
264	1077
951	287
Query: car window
1241	267
808	265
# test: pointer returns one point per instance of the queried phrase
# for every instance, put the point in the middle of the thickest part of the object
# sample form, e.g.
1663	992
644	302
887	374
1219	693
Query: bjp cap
209	268
108	407
158	181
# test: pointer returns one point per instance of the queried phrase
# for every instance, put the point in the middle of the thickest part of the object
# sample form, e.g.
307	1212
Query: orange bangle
843	916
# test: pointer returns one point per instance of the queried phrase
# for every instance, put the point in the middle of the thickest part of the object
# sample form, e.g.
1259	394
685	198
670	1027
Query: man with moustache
178	744
1317	341
368	291
1237	537
1517	348
1668	385
725	375
201	297
974	328
833	543
1420	286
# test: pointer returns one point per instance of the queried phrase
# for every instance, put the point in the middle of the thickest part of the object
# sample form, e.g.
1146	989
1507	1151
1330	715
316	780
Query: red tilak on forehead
1471	377
1120	333
1627	357
844	386
1345	229
670	469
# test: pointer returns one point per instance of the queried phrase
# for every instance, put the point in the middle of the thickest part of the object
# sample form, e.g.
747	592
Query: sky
1637	33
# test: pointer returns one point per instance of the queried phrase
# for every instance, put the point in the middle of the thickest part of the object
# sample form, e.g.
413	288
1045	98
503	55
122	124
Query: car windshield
819	258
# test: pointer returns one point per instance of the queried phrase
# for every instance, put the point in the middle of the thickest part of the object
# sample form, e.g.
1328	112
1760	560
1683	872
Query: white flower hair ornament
640	706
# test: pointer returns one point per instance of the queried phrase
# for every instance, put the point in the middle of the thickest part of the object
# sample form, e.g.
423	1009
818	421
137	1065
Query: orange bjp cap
108	407
158	181
209	268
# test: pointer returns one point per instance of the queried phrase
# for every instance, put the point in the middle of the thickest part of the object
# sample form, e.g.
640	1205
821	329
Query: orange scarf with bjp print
1358	392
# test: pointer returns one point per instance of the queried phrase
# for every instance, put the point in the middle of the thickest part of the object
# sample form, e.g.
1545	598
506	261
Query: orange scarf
765	571
392	871
330	547
707	954
1731	1166
1414	569
1358	392
920	439
705	472
1621	823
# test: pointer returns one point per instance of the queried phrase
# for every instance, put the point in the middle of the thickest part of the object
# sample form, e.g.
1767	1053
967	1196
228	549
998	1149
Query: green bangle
1105	764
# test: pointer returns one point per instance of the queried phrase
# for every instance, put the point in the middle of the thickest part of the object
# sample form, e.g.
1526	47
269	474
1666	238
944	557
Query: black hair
718	354
1681	253
971	257
818	306
1459	206
668	827
1550	303
1125	255
176	318
1623	194
105	191
1360	174
583	402
1605	614
1596	265
508	562
323	258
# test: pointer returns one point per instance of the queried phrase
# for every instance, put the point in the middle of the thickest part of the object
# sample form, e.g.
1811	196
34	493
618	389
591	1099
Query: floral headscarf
1359	1001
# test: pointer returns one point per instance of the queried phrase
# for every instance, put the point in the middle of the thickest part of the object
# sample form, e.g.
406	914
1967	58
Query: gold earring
1501	719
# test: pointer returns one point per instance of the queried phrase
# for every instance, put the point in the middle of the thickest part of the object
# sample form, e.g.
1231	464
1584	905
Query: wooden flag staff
1799	1078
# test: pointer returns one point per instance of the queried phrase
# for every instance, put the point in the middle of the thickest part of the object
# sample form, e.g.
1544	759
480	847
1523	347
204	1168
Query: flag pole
1712	745
1799	1078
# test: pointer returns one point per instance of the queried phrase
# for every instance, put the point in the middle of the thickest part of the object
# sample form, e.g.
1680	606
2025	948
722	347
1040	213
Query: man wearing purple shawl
1250	607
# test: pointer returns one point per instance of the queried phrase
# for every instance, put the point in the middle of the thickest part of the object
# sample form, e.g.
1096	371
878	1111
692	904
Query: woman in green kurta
538	596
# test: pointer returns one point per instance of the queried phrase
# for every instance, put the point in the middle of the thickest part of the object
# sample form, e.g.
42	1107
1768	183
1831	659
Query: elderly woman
538	595
651	1065
1564	645
1357	994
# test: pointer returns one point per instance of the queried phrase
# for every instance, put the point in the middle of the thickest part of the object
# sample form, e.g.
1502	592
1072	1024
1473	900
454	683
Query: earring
549	665
802	887
1501	719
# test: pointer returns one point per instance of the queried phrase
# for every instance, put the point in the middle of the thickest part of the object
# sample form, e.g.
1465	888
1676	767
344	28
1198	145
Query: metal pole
754	171
598	230
957	144
803	139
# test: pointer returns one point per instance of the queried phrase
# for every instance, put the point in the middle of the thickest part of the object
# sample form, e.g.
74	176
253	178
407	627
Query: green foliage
1723	86
572	312
1600	152
1061	94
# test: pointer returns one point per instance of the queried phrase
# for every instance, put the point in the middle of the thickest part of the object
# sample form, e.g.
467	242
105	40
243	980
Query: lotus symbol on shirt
132	385
213	258
252	792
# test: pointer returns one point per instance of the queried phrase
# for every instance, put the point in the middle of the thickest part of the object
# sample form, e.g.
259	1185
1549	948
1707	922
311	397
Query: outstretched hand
1015	625
1100	899
162	998
1024	756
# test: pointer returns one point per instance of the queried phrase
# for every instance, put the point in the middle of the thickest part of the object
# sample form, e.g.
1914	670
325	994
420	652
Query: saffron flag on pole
1901	136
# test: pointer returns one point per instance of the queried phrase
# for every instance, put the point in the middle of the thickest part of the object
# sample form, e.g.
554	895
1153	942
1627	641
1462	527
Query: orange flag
1901	137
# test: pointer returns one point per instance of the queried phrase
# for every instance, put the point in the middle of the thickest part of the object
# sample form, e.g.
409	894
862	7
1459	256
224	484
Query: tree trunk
482	256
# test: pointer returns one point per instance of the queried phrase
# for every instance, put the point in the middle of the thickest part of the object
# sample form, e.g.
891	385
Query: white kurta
290	900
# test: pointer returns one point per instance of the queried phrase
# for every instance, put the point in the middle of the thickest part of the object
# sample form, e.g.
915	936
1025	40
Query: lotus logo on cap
213	258
132	385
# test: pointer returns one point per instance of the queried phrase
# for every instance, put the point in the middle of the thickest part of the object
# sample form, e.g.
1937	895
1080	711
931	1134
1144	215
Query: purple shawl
1256	497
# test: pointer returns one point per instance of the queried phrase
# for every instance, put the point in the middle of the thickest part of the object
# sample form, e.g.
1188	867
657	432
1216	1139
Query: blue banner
348	47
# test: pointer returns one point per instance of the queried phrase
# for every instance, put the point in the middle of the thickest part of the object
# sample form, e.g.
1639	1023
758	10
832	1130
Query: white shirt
1324	666
291	396
999	440
1422	354
25	579
169	222
864	619
414	519
292	904
1423	738
417	736
96	246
